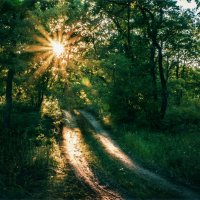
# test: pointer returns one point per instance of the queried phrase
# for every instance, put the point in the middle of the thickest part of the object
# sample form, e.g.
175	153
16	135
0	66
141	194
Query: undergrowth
174	155
32	165
27	154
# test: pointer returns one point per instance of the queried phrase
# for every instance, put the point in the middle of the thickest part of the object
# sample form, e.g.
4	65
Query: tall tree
12	13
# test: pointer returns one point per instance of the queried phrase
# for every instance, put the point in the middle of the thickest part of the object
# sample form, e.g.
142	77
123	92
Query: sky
186	5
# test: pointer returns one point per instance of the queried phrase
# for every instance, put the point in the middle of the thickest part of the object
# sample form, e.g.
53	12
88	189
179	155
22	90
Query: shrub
185	118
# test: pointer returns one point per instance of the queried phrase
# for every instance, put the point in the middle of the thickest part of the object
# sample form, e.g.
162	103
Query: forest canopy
132	61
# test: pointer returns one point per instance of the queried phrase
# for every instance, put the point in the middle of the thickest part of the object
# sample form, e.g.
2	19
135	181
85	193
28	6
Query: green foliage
50	108
130	93
52	116
182	119
22	161
29	152
116	63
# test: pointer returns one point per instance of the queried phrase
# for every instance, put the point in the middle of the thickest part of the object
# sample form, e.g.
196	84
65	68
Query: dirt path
74	152
114	150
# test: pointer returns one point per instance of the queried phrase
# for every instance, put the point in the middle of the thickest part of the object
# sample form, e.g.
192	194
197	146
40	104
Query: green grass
176	156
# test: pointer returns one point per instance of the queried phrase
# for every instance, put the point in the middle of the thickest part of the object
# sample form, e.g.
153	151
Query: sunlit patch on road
115	151
109	145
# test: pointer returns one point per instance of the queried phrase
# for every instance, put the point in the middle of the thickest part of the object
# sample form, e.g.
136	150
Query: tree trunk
179	92
129	31
177	67
8	107
152	31
183	75
164	93
67	96
153	72
39	97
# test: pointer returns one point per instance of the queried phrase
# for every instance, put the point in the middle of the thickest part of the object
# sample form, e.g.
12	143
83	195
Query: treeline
150	63
135	61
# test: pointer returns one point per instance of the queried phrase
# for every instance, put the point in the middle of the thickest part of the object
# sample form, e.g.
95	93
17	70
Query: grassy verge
176	156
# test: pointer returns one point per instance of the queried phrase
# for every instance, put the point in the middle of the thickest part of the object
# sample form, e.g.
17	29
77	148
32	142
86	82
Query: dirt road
76	153
114	150
74	150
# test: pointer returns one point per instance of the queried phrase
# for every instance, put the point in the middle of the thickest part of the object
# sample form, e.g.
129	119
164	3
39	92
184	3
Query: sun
54	49
58	48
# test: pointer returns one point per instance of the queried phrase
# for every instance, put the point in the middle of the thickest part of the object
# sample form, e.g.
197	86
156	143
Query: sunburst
54	50
58	48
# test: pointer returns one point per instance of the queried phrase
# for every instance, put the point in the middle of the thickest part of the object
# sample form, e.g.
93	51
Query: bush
51	115
180	119
26	154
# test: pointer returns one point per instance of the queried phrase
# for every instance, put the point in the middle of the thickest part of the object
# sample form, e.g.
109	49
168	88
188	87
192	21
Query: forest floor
103	166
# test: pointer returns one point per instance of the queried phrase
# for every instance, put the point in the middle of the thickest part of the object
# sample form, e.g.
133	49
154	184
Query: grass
175	156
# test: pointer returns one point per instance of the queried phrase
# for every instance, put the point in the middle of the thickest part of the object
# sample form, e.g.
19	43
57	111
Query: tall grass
111	172
176	156
27	153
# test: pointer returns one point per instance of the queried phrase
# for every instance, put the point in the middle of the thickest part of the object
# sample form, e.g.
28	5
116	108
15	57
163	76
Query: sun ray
44	32
41	40
35	48
54	49
44	66
63	70
60	33
69	33
42	56
65	40
74	39
55	37
55	64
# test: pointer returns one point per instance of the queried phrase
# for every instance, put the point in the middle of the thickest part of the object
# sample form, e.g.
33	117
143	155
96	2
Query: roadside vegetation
26	153
32	165
173	156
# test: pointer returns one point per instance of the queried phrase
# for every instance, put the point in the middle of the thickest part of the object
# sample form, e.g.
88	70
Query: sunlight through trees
133	64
